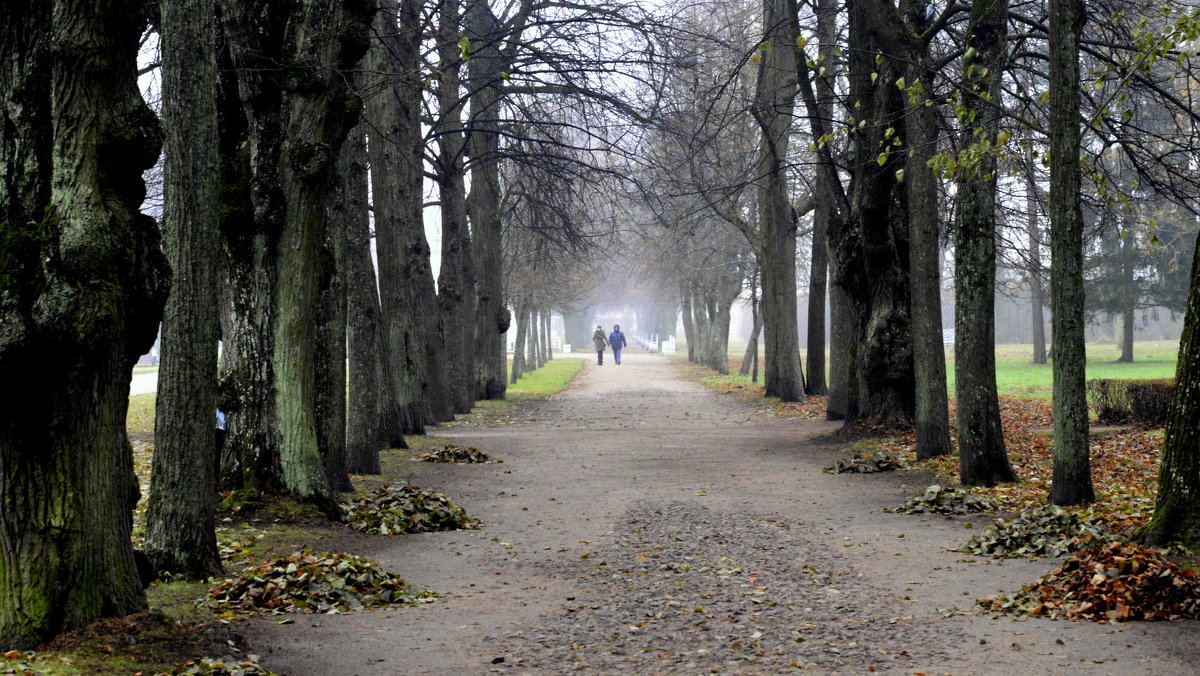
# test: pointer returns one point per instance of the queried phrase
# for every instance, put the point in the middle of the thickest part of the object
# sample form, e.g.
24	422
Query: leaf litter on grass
399	509
314	582
1117	582
454	454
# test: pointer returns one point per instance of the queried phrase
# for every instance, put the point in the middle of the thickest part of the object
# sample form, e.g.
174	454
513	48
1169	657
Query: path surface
642	525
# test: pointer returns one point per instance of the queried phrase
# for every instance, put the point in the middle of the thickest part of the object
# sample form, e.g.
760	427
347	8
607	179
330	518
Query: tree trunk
456	293
929	356
872	257
1036	298
1128	296
756	326
372	417
549	335
774	98
518	358
83	286
1177	508
180	515
1072	466
983	459
293	69
531	335
411	325
689	326
484	80
331	327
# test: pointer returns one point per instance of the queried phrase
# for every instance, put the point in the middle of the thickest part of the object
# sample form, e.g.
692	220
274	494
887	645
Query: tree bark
413	344
1177	507
983	458
872	253
1036	296
775	94
82	285
1128	295
1072	465
330	399
293	65
929	356
689	326
484	80
456	291
181	511
518	358
372	417
756	326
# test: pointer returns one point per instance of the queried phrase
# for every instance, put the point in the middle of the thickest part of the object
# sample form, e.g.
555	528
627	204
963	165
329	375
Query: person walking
601	342
616	339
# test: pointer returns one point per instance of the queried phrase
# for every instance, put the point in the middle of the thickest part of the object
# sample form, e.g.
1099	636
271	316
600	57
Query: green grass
550	379
1017	375
139	370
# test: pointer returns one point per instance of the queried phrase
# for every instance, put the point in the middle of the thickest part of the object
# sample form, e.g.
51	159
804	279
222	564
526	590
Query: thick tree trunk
372	417
1177	508
929	355
983	459
873	254
411	325
1072	465
180	516
484	80
83	286
1036	297
774	98
293	67
331	328
456	291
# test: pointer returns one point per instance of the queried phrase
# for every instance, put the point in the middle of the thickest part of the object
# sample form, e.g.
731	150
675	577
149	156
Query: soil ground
640	524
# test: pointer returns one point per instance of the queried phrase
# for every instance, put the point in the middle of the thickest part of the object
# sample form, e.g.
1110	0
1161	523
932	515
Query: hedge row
1121	402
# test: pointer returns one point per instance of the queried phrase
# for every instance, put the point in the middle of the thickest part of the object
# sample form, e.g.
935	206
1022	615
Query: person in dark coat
616	340
601	342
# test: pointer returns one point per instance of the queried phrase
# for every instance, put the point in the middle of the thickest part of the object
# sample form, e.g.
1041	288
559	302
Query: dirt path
642	525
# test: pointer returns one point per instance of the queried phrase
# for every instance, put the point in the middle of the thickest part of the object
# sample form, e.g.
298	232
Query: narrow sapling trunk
1037	298
82	285
180	516
1072	465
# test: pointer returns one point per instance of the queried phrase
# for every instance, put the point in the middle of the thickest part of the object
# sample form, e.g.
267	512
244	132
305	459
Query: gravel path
642	525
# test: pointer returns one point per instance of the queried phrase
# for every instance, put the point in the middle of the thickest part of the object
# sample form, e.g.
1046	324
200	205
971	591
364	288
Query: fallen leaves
1047	531
246	665
1117	582
308	582
454	454
398	509
865	463
944	500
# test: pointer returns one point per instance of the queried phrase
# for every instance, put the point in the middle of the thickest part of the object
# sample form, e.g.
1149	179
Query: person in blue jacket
616	340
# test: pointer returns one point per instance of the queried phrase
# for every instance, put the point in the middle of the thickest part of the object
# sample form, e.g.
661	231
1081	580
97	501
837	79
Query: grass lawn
1017	375
550	379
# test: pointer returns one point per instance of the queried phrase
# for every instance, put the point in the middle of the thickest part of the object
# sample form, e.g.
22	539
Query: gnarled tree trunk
82	286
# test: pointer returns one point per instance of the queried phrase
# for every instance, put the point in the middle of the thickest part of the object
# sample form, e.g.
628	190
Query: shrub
1149	400
1118	402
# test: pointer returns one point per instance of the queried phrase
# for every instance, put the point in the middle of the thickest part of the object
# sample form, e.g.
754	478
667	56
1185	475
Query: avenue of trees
722	149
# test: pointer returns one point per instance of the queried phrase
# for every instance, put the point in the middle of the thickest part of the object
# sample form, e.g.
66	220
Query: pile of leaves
1049	531
944	500
245	665
398	509
309	582
455	454
1117	582
865	463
